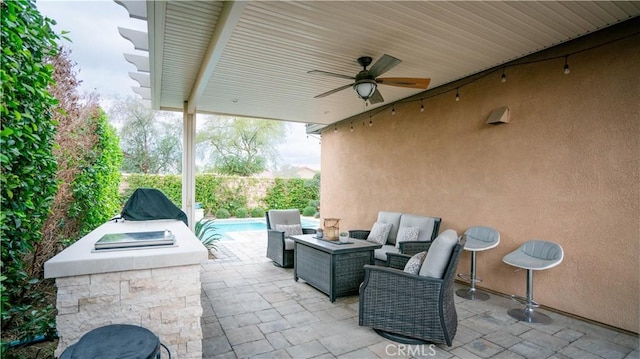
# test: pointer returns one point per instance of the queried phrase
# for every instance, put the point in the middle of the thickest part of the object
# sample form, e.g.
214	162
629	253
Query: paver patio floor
253	309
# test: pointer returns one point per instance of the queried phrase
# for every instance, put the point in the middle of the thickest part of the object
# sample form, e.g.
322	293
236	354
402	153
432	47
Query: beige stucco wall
566	169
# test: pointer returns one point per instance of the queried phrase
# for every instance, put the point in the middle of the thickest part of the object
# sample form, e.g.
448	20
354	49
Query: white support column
189	164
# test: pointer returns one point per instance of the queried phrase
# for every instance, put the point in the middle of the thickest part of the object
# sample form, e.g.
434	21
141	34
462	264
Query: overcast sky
97	48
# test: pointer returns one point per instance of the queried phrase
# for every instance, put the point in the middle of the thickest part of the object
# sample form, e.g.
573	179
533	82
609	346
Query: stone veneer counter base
156	287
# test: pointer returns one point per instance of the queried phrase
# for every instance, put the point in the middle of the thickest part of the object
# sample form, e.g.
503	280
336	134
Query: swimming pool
222	226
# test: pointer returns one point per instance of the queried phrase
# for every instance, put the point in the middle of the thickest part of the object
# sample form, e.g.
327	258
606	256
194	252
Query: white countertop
81	259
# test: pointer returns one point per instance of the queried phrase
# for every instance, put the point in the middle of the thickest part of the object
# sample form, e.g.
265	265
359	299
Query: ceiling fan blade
384	64
376	97
320	72
415	83
334	91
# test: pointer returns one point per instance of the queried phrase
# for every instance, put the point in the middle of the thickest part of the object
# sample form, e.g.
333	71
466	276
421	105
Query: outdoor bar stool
533	255
116	341
479	238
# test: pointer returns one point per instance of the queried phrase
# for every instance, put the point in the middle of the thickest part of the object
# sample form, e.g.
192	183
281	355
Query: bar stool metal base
472	294
529	316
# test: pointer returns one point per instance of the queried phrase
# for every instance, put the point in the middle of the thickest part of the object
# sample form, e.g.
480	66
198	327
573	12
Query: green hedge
28	185
170	185
95	189
227	192
213	192
257	212
291	193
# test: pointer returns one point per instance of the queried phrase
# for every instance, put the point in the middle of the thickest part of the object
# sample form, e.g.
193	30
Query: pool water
222	226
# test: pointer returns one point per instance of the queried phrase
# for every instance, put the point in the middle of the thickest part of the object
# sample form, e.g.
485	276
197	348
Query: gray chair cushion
394	219
426	225
437	259
379	232
283	216
480	238
536	255
381	253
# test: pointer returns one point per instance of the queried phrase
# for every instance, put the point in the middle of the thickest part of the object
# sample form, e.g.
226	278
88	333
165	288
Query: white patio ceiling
251	58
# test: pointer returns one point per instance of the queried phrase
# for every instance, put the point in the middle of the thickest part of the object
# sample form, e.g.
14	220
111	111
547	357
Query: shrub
28	167
205	231
222	213
95	189
216	191
309	211
257	212
242	212
315	203
291	193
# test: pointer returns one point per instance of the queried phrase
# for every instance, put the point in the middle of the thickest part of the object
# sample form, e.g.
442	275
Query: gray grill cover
148	204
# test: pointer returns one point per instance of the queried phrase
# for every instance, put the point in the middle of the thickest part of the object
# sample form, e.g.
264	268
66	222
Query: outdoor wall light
499	116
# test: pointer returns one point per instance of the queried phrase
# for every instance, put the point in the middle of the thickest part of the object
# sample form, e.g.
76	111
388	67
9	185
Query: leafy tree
151	141
28	177
240	146
89	160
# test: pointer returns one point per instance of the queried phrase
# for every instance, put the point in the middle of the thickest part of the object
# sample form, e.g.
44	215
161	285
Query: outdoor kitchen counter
80	258
157	288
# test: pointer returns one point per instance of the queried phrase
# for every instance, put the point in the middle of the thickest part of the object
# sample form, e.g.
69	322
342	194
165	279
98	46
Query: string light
503	78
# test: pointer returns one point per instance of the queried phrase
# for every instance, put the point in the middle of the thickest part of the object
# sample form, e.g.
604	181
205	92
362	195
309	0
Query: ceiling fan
367	81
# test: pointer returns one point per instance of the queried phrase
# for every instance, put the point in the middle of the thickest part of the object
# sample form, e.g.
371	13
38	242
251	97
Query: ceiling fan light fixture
365	88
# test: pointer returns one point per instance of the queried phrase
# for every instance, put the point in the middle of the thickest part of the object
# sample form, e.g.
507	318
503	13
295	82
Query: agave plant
205	231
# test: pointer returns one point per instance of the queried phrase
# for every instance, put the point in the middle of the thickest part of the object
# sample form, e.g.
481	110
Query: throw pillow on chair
407	234
414	264
380	232
289	229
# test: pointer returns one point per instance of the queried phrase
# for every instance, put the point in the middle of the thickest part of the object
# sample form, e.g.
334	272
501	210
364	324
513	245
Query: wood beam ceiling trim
229	17
156	11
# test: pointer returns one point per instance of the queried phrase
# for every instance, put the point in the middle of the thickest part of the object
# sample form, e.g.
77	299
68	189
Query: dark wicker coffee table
331	267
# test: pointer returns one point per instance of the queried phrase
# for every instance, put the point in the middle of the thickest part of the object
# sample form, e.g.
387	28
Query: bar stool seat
533	255
115	341
479	238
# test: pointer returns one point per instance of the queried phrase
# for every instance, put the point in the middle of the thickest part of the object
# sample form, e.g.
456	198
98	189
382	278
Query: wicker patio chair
279	246
410	308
